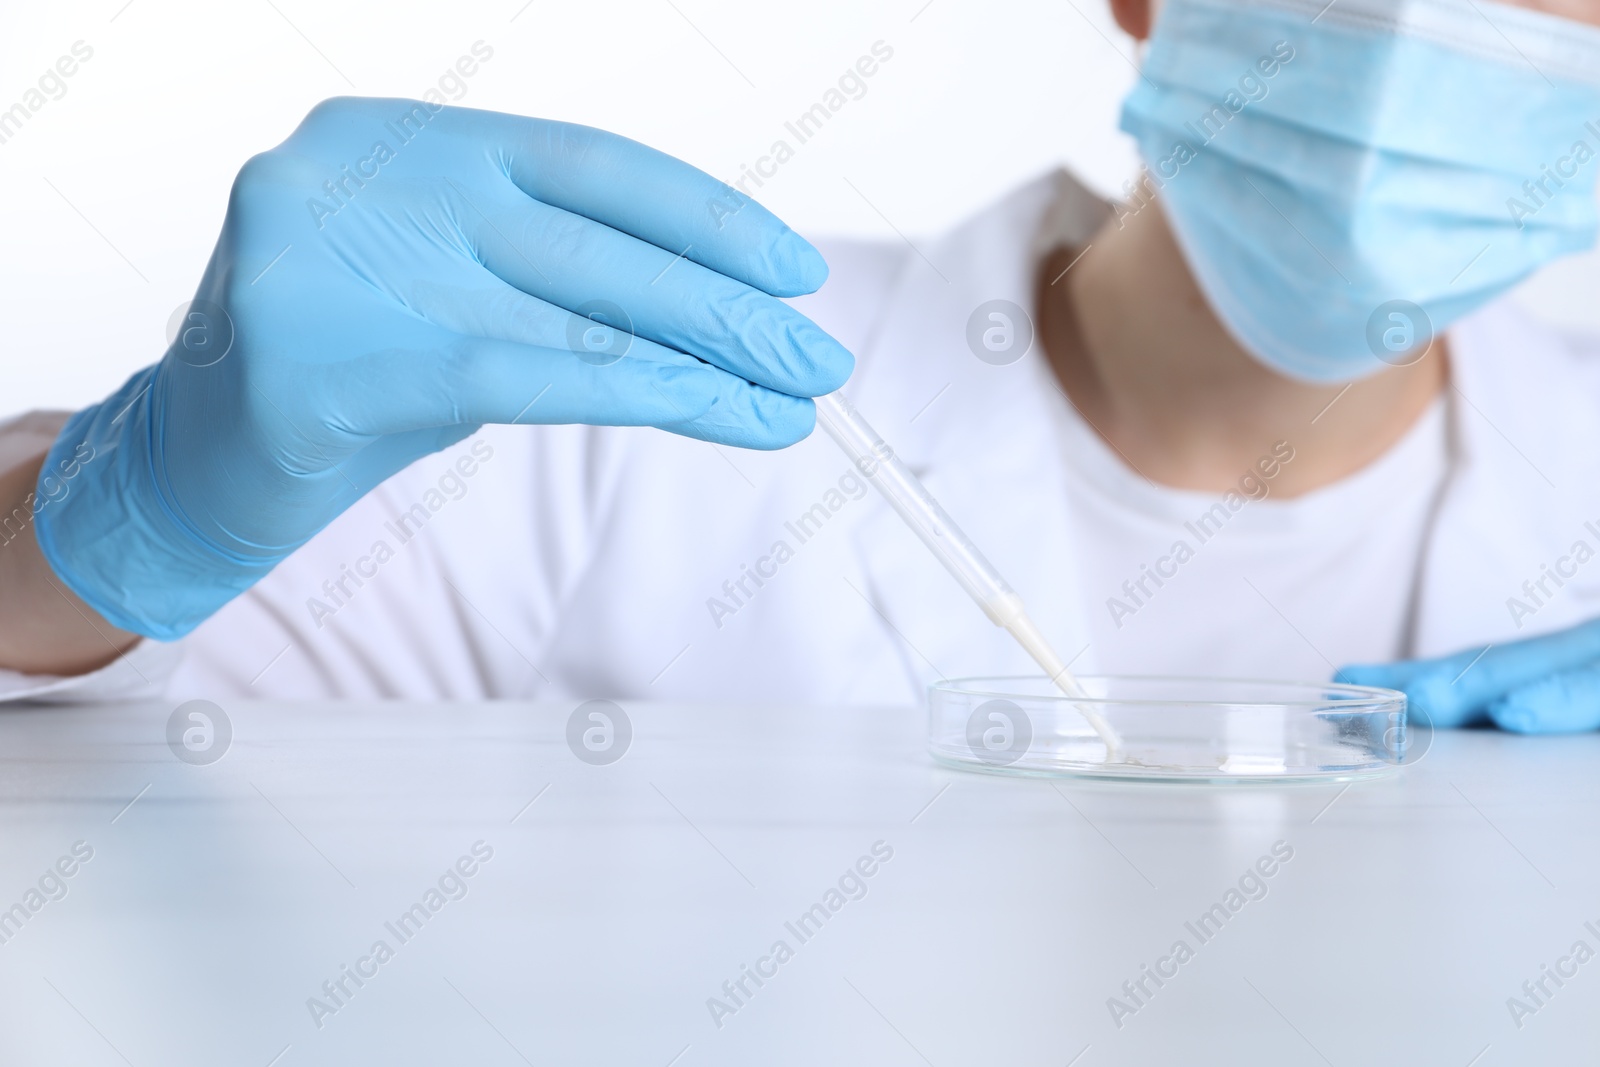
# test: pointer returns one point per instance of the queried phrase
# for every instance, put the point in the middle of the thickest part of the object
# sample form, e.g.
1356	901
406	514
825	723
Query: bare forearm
44	627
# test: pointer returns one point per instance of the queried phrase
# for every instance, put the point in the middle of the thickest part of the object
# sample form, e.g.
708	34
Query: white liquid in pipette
1021	627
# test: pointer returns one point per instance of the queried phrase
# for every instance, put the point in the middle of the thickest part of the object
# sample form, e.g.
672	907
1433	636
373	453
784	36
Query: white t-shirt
1185	582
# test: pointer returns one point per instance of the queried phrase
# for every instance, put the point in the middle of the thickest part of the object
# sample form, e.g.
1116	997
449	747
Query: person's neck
1143	359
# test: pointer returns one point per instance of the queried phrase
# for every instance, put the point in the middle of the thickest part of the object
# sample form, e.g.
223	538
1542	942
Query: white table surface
620	901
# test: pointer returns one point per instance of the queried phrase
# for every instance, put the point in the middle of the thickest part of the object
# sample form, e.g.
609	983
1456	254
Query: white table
621	899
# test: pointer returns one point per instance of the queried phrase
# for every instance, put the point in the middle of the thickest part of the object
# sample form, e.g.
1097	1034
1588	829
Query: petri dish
1171	728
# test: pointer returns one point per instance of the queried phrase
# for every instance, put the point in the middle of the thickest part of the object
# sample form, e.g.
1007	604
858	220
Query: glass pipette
878	464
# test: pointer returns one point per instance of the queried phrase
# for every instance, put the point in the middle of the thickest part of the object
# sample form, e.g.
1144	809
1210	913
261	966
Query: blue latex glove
1540	685
388	279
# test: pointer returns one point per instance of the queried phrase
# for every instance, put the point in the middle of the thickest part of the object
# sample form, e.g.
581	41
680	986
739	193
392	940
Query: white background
144	144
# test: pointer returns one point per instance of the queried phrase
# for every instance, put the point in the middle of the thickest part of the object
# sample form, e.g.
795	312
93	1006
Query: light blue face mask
1346	178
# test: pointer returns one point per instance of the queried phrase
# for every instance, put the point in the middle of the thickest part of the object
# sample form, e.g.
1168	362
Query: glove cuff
105	530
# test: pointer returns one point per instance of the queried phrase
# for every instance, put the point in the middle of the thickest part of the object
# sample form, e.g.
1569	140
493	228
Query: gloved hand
1540	685
388	279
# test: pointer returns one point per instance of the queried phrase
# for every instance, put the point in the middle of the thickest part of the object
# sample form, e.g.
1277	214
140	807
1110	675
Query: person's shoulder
1514	340
1529	382
867	275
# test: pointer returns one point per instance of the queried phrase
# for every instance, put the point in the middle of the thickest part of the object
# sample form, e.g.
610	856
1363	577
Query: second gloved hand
390	278
1540	685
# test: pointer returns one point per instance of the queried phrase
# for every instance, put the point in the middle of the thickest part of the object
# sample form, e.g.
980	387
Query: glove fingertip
775	422
1515	717
797	268
804	422
761	420
822	364
1559	703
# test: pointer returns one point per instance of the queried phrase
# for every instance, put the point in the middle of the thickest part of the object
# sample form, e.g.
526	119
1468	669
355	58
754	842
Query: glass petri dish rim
1355	697
1207	698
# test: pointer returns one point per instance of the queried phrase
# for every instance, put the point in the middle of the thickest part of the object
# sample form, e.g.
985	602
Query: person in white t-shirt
1266	415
